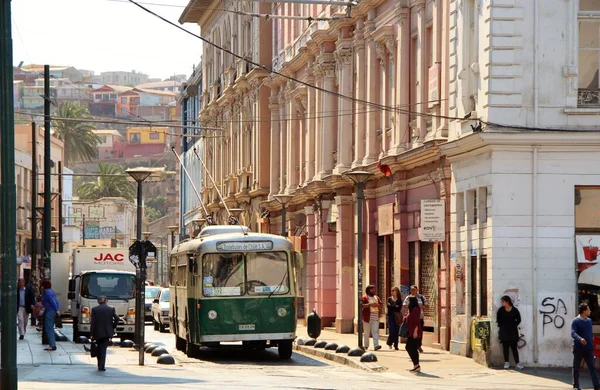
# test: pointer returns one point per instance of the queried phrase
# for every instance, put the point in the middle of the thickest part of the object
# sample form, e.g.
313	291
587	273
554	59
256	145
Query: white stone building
527	73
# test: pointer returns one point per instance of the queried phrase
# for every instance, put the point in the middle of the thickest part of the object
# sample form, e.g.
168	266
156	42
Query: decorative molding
327	68
381	53
343	56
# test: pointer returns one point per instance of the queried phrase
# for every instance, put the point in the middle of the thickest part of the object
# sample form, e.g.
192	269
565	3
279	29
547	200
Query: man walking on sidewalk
370	316
583	346
423	304
104	322
25	302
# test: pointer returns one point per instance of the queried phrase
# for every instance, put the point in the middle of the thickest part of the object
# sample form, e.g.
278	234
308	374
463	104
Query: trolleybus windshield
237	274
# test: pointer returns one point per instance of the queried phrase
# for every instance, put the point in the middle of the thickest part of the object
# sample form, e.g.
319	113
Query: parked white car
160	310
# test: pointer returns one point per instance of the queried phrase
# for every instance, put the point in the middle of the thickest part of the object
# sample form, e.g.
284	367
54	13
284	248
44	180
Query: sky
104	35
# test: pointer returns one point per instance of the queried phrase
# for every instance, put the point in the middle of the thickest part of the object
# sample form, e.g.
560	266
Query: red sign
109	257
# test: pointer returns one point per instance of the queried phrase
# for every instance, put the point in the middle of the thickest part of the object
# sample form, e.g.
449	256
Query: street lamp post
139	175
234	218
283	199
48	197
359	178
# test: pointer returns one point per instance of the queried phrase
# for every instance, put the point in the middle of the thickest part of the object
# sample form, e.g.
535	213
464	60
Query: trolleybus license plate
247	327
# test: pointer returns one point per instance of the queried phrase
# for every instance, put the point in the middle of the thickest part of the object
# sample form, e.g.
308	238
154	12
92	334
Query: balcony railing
587	97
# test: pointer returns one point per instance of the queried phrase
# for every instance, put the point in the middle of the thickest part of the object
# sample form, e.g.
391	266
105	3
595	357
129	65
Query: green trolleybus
231	285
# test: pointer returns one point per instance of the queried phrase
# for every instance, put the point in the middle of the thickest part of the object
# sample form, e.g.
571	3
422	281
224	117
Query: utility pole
47	179
34	195
8	207
60	210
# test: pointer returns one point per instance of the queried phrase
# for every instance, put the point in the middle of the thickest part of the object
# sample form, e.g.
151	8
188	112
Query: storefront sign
587	250
385	219
433	220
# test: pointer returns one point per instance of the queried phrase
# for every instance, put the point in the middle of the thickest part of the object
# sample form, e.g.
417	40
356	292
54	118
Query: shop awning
590	276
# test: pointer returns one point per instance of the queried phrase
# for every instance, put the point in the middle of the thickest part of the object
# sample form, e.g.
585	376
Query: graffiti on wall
554	313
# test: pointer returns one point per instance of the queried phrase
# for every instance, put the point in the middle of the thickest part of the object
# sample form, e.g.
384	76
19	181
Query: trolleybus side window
223	274
267	273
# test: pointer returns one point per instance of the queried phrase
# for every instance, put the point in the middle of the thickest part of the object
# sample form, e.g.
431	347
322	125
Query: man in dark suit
104	322
25	302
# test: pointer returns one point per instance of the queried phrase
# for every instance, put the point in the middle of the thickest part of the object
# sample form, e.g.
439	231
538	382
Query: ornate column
343	56
422	95
318	122
373	88
329	107
275	172
301	102
292	144
345	264
310	123
359	108
402	130
311	264
382	57
282	141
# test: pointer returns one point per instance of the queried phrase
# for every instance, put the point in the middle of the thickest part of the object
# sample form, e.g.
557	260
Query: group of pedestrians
42	307
412	322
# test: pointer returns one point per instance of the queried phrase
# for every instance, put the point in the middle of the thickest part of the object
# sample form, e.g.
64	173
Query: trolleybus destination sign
245	246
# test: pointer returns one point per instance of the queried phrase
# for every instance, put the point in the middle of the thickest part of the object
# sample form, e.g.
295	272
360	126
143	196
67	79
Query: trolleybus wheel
284	349
179	343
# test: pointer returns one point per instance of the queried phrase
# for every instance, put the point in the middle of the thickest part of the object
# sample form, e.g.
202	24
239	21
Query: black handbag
58	322
94	349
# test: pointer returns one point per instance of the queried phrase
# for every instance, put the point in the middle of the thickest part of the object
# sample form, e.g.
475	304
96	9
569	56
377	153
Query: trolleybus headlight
212	314
281	312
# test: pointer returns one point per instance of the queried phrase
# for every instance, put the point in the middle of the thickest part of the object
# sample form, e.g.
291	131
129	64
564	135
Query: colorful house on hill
145	141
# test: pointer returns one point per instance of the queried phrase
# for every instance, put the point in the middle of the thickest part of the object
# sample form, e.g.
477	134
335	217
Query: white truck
97	272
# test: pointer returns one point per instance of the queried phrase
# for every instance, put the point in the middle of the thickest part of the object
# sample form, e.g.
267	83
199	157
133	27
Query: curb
340	358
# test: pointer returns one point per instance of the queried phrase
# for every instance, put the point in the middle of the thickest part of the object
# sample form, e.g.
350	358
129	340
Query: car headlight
281	312
212	314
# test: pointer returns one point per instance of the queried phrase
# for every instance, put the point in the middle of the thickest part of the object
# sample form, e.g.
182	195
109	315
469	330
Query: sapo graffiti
553	313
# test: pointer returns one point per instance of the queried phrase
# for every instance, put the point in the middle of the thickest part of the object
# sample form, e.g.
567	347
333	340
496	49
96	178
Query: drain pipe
536	73
534	253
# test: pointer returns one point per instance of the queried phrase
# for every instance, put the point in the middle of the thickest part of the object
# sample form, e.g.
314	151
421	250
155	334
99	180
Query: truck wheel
161	327
285	349
128	336
76	333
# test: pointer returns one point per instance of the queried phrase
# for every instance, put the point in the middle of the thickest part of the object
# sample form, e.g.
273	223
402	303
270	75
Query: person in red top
415	332
371	310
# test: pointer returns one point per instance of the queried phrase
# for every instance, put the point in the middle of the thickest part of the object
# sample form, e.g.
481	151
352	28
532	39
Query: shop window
483	286
482	206
589	53
473	284
460	208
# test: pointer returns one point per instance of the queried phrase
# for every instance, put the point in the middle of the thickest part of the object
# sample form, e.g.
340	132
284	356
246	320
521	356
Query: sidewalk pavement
439	364
30	351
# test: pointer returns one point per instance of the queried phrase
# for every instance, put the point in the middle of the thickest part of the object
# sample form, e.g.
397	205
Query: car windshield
151	292
115	286
164	296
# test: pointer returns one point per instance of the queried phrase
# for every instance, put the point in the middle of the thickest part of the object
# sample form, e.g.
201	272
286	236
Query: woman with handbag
415	332
394	317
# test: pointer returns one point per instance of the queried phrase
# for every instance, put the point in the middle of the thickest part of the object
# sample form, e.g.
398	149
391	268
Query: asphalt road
235	368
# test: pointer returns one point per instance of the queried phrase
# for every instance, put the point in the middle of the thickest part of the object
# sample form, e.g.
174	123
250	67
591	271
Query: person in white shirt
370	316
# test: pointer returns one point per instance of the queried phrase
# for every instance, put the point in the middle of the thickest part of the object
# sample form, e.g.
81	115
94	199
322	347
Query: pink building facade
361	93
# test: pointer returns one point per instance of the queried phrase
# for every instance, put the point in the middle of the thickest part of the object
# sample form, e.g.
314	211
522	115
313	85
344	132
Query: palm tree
108	184
81	144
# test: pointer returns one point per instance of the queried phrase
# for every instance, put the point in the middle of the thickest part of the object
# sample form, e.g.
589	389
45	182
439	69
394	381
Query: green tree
81	144
108	184
151	214
159	203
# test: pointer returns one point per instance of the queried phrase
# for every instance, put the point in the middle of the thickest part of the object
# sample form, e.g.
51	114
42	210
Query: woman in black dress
508	319
394	317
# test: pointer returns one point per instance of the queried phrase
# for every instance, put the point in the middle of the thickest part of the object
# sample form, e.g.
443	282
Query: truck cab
102	272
